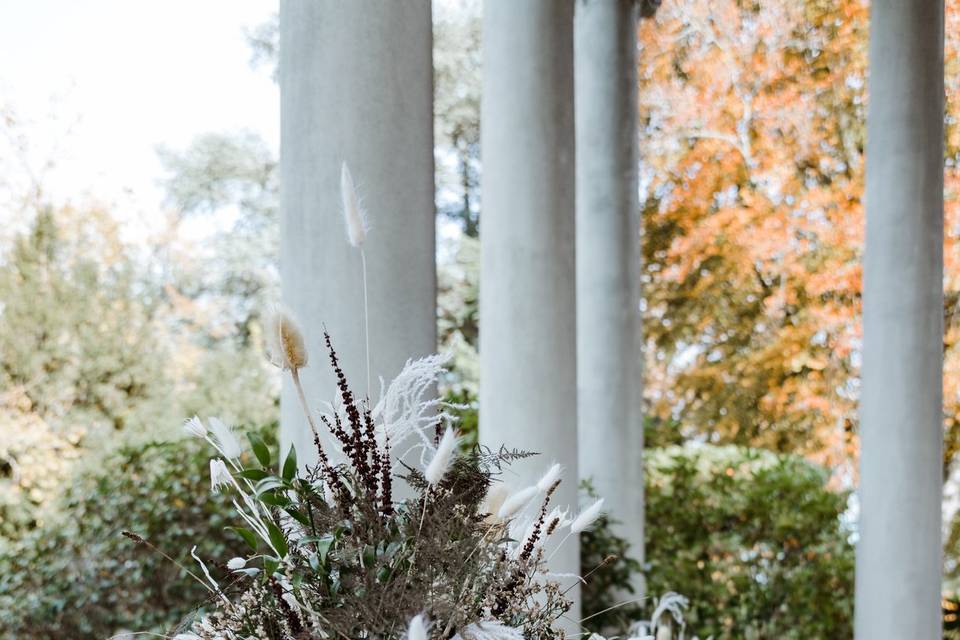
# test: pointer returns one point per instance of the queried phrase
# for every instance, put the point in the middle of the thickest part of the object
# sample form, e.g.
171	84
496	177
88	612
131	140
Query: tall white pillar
527	301
356	85
898	554
609	365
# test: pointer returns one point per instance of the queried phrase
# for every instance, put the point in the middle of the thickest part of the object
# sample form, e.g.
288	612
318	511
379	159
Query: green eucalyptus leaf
253	474
277	539
260	449
248	536
290	465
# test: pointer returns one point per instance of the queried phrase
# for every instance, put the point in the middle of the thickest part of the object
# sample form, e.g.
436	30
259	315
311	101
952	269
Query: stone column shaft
527	300
609	361
356	85
899	551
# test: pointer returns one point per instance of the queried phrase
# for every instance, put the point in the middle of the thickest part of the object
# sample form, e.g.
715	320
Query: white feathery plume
418	628
673	603
408	406
552	475
587	517
195	427
522	532
440	464
226	442
353	215
286	347
496	495
561	515
512	505
236	563
219	475
489	630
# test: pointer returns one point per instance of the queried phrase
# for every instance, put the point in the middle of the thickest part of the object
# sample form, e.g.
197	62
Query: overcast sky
124	76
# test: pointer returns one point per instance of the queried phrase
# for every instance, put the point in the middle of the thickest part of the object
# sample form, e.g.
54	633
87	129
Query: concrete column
527	302
356	85
898	555
609	363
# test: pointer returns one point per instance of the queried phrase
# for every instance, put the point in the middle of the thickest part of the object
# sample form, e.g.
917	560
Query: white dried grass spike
353	215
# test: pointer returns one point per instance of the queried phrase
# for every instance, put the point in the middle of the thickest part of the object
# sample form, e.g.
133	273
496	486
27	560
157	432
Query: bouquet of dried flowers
334	555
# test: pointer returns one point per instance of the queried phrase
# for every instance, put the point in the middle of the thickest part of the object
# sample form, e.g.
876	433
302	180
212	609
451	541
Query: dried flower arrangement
334	555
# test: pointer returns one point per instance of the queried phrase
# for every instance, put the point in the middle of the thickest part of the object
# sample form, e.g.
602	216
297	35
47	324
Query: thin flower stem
555	551
583	578
295	374
616	606
141	540
366	315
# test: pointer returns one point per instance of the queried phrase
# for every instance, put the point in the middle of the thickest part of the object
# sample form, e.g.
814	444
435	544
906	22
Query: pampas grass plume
353	215
442	458
587	517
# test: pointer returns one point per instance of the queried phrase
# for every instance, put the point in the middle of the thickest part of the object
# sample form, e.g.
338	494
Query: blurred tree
228	182
753	164
81	355
456	80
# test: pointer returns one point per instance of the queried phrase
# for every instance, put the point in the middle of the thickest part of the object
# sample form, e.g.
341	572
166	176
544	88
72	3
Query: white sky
123	76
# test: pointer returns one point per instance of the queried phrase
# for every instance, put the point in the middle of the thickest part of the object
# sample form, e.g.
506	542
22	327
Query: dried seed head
195	427
516	502
442	458
353	215
285	345
549	478
219	475
496	495
587	517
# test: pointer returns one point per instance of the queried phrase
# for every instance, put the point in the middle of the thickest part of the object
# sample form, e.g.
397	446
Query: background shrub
754	539
76	577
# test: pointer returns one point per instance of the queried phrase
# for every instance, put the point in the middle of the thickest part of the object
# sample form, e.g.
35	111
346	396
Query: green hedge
76	577
753	539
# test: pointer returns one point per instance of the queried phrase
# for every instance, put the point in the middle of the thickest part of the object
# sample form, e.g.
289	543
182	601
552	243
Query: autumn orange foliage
752	128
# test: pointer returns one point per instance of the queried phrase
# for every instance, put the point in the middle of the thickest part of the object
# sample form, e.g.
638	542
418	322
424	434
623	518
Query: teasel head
286	347
353	215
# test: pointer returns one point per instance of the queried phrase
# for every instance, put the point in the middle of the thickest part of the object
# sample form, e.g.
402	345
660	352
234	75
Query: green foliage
77	577
334	555
94	348
80	359
607	561
753	539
